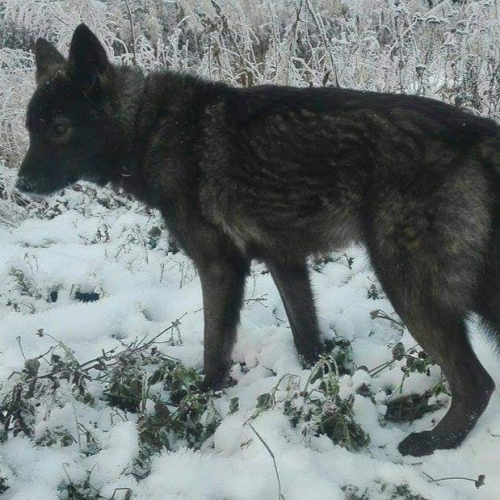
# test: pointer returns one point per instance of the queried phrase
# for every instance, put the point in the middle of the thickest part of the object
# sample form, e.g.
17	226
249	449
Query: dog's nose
23	184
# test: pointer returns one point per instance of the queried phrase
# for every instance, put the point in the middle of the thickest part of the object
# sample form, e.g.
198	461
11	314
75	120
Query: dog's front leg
295	290
223	285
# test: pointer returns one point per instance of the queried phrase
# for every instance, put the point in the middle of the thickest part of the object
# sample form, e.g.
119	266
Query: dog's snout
23	184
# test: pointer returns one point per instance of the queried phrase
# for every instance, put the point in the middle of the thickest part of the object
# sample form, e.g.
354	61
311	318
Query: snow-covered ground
85	245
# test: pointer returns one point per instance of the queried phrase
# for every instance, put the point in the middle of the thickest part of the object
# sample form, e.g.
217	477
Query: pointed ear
47	59
87	57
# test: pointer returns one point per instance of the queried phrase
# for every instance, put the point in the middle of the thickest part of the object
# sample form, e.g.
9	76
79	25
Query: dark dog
278	174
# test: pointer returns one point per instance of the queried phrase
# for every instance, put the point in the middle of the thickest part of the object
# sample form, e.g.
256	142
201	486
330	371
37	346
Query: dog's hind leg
428	251
443	335
295	290
441	331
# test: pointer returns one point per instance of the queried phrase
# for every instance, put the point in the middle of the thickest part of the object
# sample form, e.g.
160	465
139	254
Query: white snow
91	248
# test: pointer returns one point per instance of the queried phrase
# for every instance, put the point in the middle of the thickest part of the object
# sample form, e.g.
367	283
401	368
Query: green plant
318	407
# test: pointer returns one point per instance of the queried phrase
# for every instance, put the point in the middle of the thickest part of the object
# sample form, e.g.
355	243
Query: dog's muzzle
24	184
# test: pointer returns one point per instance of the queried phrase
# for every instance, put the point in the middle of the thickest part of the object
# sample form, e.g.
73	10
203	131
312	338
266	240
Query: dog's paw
420	444
309	357
215	383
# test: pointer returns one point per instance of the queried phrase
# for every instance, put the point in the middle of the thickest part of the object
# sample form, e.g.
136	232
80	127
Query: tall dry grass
450	51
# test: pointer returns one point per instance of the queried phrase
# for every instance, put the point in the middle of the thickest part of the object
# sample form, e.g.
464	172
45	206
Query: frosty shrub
140	384
155	390
447	51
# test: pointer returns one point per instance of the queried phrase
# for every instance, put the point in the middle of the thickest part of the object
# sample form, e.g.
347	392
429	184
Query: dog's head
73	129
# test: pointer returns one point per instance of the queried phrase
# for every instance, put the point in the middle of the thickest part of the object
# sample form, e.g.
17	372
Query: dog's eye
60	128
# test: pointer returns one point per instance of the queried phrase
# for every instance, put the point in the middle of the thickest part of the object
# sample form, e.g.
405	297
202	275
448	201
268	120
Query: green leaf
264	400
398	351
234	405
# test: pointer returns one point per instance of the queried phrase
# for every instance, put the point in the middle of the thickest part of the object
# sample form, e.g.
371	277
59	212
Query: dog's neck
130	85
159	102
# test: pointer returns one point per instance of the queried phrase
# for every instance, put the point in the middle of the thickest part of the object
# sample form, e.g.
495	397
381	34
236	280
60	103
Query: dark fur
278	174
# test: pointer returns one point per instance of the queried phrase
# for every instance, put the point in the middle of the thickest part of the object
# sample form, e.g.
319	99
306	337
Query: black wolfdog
278	174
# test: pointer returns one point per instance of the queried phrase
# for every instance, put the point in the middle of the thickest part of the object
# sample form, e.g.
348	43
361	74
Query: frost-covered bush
448	50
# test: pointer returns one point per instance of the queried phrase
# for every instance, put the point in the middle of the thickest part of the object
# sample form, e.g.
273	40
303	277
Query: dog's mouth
42	188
